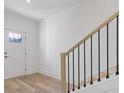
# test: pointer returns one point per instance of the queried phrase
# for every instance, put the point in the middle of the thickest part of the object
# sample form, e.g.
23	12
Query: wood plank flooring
38	83
35	83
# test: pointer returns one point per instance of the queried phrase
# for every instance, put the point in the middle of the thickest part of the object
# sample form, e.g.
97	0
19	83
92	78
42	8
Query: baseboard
50	75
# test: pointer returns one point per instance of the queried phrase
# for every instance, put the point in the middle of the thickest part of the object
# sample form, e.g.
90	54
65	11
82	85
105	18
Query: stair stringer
110	85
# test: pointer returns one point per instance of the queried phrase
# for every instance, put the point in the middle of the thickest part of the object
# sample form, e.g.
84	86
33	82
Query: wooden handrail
94	31
64	85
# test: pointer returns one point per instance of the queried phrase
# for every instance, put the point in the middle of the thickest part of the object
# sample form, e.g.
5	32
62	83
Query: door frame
11	29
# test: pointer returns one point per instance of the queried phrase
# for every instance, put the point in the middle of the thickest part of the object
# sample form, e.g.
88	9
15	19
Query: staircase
105	86
82	65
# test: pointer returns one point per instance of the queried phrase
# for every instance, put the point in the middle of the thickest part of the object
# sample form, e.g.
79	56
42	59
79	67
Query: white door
14	54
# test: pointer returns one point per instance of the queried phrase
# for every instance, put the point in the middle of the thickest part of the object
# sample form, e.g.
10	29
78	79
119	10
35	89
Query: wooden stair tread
103	75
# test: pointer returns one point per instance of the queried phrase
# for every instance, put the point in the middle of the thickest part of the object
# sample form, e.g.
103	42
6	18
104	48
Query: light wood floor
35	83
38	83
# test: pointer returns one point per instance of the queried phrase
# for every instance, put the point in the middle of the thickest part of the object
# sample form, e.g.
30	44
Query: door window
15	37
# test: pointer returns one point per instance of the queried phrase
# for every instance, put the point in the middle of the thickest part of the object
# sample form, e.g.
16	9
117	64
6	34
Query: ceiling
39	9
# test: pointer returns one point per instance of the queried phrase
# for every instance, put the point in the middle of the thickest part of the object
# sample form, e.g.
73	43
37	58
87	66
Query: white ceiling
39	9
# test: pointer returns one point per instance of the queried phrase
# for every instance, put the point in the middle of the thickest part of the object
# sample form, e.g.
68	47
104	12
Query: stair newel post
63	72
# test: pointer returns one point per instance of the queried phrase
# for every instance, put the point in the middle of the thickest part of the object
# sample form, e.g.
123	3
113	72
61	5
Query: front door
14	53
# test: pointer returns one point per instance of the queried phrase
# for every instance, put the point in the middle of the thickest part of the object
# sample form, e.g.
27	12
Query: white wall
19	23
105	86
59	32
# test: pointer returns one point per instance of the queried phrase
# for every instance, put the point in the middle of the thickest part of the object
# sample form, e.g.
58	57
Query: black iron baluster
99	55
68	76
73	72
91	64
117	72
107	51
78	67
84	67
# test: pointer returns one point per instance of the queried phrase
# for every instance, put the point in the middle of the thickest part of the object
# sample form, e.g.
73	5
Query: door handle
5	56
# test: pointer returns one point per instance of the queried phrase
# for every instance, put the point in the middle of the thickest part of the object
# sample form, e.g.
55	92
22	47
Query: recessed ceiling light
28	1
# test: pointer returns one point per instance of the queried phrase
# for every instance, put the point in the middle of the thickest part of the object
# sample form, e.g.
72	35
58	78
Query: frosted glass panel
15	37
